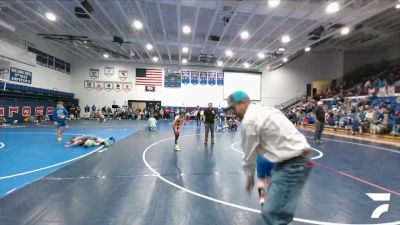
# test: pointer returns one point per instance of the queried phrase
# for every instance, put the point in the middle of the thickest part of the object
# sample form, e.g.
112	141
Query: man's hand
249	184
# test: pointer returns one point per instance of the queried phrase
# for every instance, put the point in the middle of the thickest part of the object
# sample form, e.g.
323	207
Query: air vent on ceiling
214	38
207	58
227	8
85	10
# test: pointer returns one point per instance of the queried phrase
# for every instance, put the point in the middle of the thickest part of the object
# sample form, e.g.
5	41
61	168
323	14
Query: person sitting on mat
88	141
152	123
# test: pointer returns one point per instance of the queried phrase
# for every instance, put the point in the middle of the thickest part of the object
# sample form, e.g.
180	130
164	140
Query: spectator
320	123
209	115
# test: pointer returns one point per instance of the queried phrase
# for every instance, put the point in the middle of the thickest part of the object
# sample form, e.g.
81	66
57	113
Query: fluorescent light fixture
185	49
273	3
105	55
155	59
186	29
261	55
332	7
345	31
228	53
281	49
220	63
285	59
307	49
246	65
285	39
149	46
50	16
184	61
398	6
244	35
137	24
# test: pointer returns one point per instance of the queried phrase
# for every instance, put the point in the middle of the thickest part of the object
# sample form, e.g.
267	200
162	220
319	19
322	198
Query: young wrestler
61	115
176	126
264	168
88	141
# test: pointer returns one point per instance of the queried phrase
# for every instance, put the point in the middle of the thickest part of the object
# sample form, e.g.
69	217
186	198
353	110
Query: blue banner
211	78
185	77
172	79
220	79
203	78
21	76
194	77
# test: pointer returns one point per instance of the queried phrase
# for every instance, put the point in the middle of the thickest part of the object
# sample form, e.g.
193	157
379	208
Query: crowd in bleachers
373	114
384	83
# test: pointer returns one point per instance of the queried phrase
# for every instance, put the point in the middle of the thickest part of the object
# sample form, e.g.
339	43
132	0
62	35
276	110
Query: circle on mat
235	205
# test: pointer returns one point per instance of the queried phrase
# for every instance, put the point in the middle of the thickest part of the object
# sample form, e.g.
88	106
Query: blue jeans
288	179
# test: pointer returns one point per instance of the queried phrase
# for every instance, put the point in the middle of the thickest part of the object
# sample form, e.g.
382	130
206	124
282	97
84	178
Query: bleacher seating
10	87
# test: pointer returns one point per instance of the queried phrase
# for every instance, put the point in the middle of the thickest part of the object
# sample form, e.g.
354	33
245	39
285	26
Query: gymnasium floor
141	180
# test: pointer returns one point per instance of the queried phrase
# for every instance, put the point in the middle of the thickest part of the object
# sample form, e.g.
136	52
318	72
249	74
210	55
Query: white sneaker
59	139
262	201
177	148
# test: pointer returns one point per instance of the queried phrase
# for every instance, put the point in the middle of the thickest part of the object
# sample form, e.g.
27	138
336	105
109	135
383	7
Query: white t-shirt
152	122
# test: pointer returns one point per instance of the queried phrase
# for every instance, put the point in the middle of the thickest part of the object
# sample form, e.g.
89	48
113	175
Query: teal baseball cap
236	97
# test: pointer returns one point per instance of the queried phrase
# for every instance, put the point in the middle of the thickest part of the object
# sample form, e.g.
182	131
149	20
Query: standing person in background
267	132
198	121
162	114
93	112
177	126
87	109
209	121
61	115
320	123
166	113
78	112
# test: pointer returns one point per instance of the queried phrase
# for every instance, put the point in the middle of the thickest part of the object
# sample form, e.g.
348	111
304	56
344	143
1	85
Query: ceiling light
285	59
50	16
186	29
149	46
244	35
398	6
261	55
332	7
273	3
185	49
281	49
220	63
228	53
184	61
345	31
105	55
85	42
155	59
246	65
137	24
307	49
285	39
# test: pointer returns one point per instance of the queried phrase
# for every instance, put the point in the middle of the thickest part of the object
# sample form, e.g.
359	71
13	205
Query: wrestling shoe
177	148
262	200
59	139
112	139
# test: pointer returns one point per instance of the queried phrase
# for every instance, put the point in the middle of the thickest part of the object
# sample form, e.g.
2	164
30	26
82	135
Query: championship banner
89	85
99	85
185	77
194	77
127	86
117	86
203	78
172	78
108	85
108	71
220	79
93	73
211	78
150	89
21	76
123	74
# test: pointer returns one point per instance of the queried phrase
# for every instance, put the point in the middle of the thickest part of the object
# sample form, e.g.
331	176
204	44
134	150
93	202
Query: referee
267	132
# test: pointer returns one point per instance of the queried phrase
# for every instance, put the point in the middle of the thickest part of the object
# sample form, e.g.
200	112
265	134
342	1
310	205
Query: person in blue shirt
60	118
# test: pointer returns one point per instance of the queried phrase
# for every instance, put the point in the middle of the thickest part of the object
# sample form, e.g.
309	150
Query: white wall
42	77
187	95
291	79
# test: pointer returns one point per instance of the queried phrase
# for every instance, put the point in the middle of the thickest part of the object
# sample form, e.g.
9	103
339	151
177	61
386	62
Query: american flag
149	77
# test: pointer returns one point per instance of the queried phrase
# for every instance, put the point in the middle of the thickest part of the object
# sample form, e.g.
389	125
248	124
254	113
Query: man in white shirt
152	123
266	131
